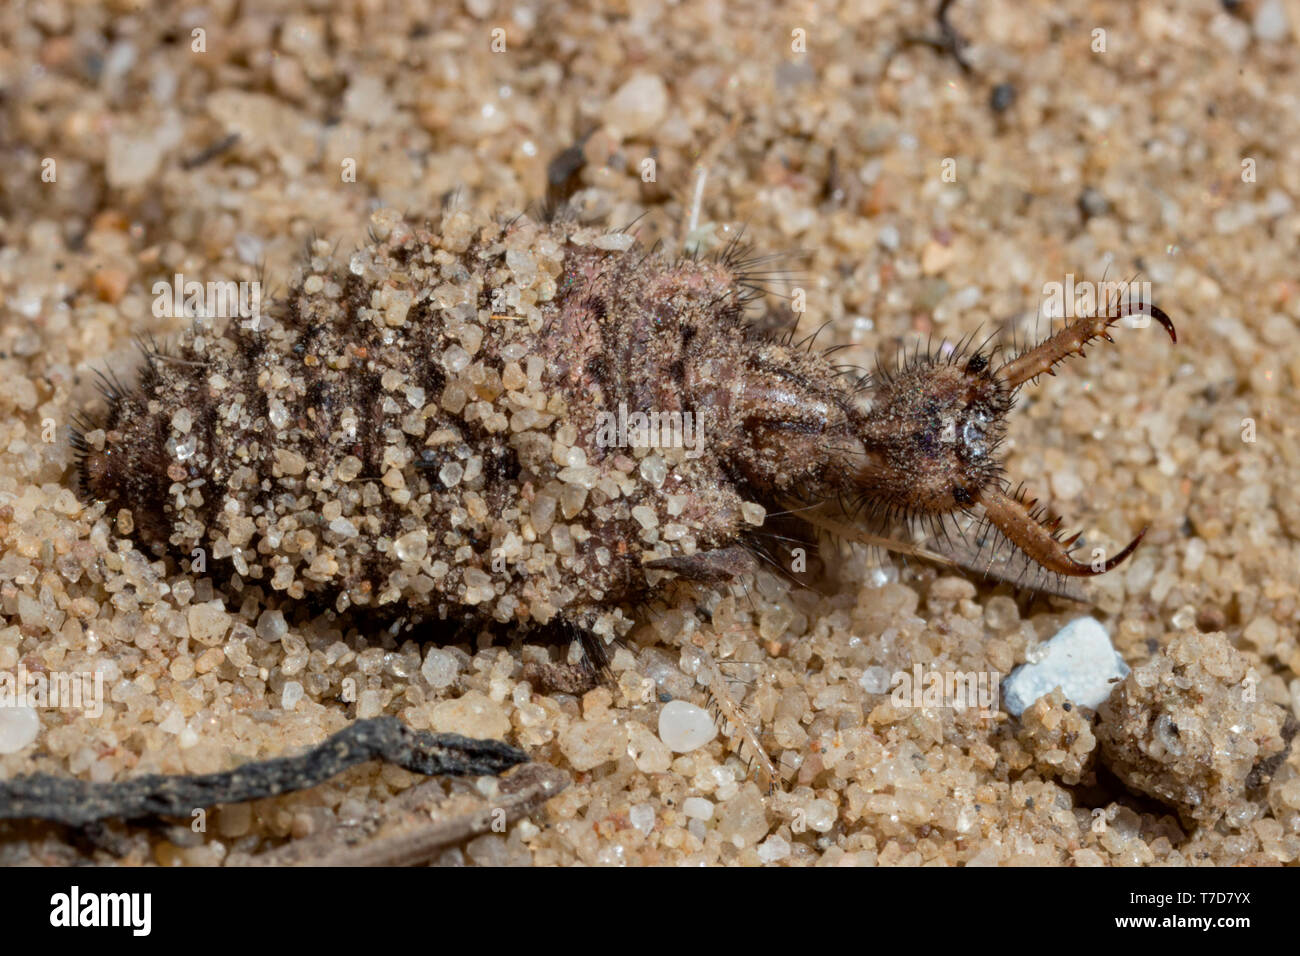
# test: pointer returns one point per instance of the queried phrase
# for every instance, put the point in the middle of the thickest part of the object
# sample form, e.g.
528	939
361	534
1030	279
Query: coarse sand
913	198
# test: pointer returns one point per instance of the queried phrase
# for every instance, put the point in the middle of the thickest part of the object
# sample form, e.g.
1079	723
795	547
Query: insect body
459	423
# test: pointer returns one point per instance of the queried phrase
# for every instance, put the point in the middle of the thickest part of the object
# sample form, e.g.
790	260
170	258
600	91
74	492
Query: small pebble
685	727
774	848
1271	24
589	743
271	626
19	727
291	694
208	622
698	808
638	106
440	668
473	715
642	816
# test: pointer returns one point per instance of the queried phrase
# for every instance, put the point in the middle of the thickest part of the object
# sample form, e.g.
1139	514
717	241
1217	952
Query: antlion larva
448	425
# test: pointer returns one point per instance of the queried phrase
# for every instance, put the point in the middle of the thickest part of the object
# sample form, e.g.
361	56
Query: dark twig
953	40
79	802
948	41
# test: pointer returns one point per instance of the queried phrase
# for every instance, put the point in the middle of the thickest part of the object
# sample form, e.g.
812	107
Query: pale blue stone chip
1080	660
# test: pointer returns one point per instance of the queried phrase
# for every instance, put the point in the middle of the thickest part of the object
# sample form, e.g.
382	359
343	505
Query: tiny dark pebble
1093	203
1002	97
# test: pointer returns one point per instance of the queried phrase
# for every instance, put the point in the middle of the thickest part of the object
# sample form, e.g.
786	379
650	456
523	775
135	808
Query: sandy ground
138	142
